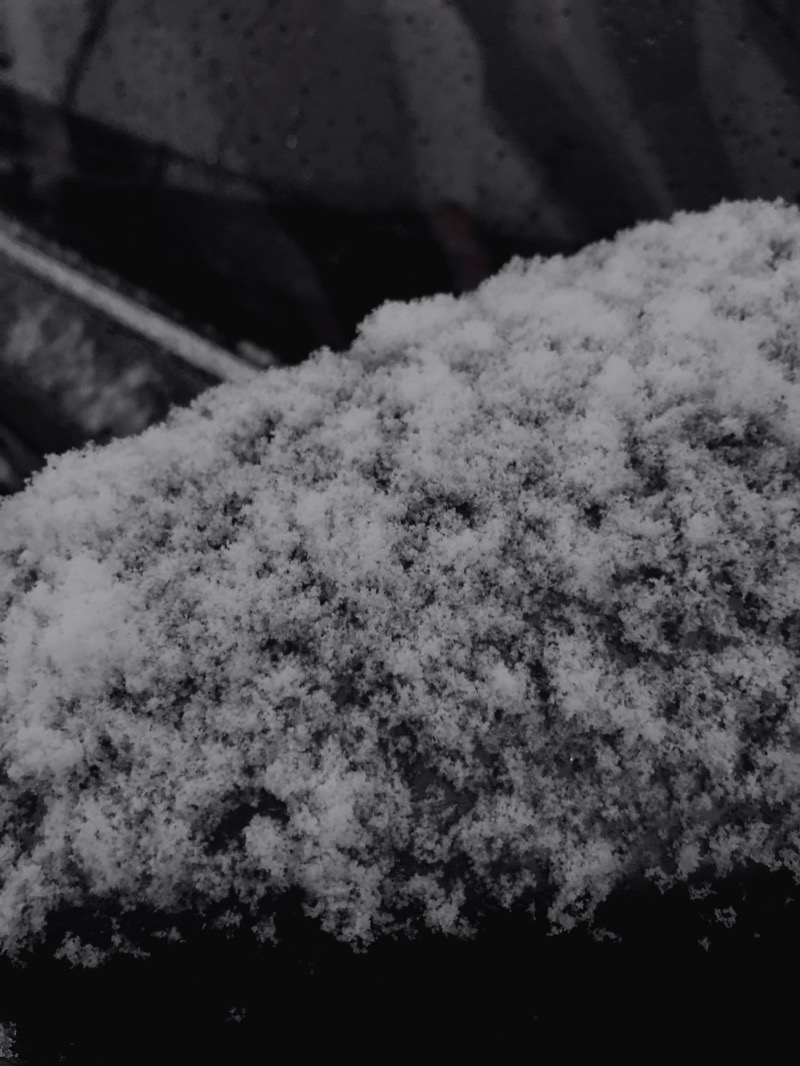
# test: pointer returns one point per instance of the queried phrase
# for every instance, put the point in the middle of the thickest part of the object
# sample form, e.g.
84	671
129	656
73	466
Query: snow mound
501	604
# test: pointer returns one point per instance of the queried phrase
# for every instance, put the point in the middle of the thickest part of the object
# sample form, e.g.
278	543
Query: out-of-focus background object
271	170
81	362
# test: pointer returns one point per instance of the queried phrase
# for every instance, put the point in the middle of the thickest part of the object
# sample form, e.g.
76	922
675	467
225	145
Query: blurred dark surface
71	372
291	277
279	169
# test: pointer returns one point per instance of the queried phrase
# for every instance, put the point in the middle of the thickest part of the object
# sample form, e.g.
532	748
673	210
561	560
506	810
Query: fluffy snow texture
502	603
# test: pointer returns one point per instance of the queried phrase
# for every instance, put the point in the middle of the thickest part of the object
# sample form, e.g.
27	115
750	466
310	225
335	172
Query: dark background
281	167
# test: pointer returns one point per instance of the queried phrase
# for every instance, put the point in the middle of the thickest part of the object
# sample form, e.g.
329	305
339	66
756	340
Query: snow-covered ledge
502	603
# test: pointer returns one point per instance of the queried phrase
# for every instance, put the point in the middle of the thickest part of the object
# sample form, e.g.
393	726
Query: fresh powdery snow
501	605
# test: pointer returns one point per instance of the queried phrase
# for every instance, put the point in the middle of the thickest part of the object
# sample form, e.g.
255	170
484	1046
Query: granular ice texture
500	605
